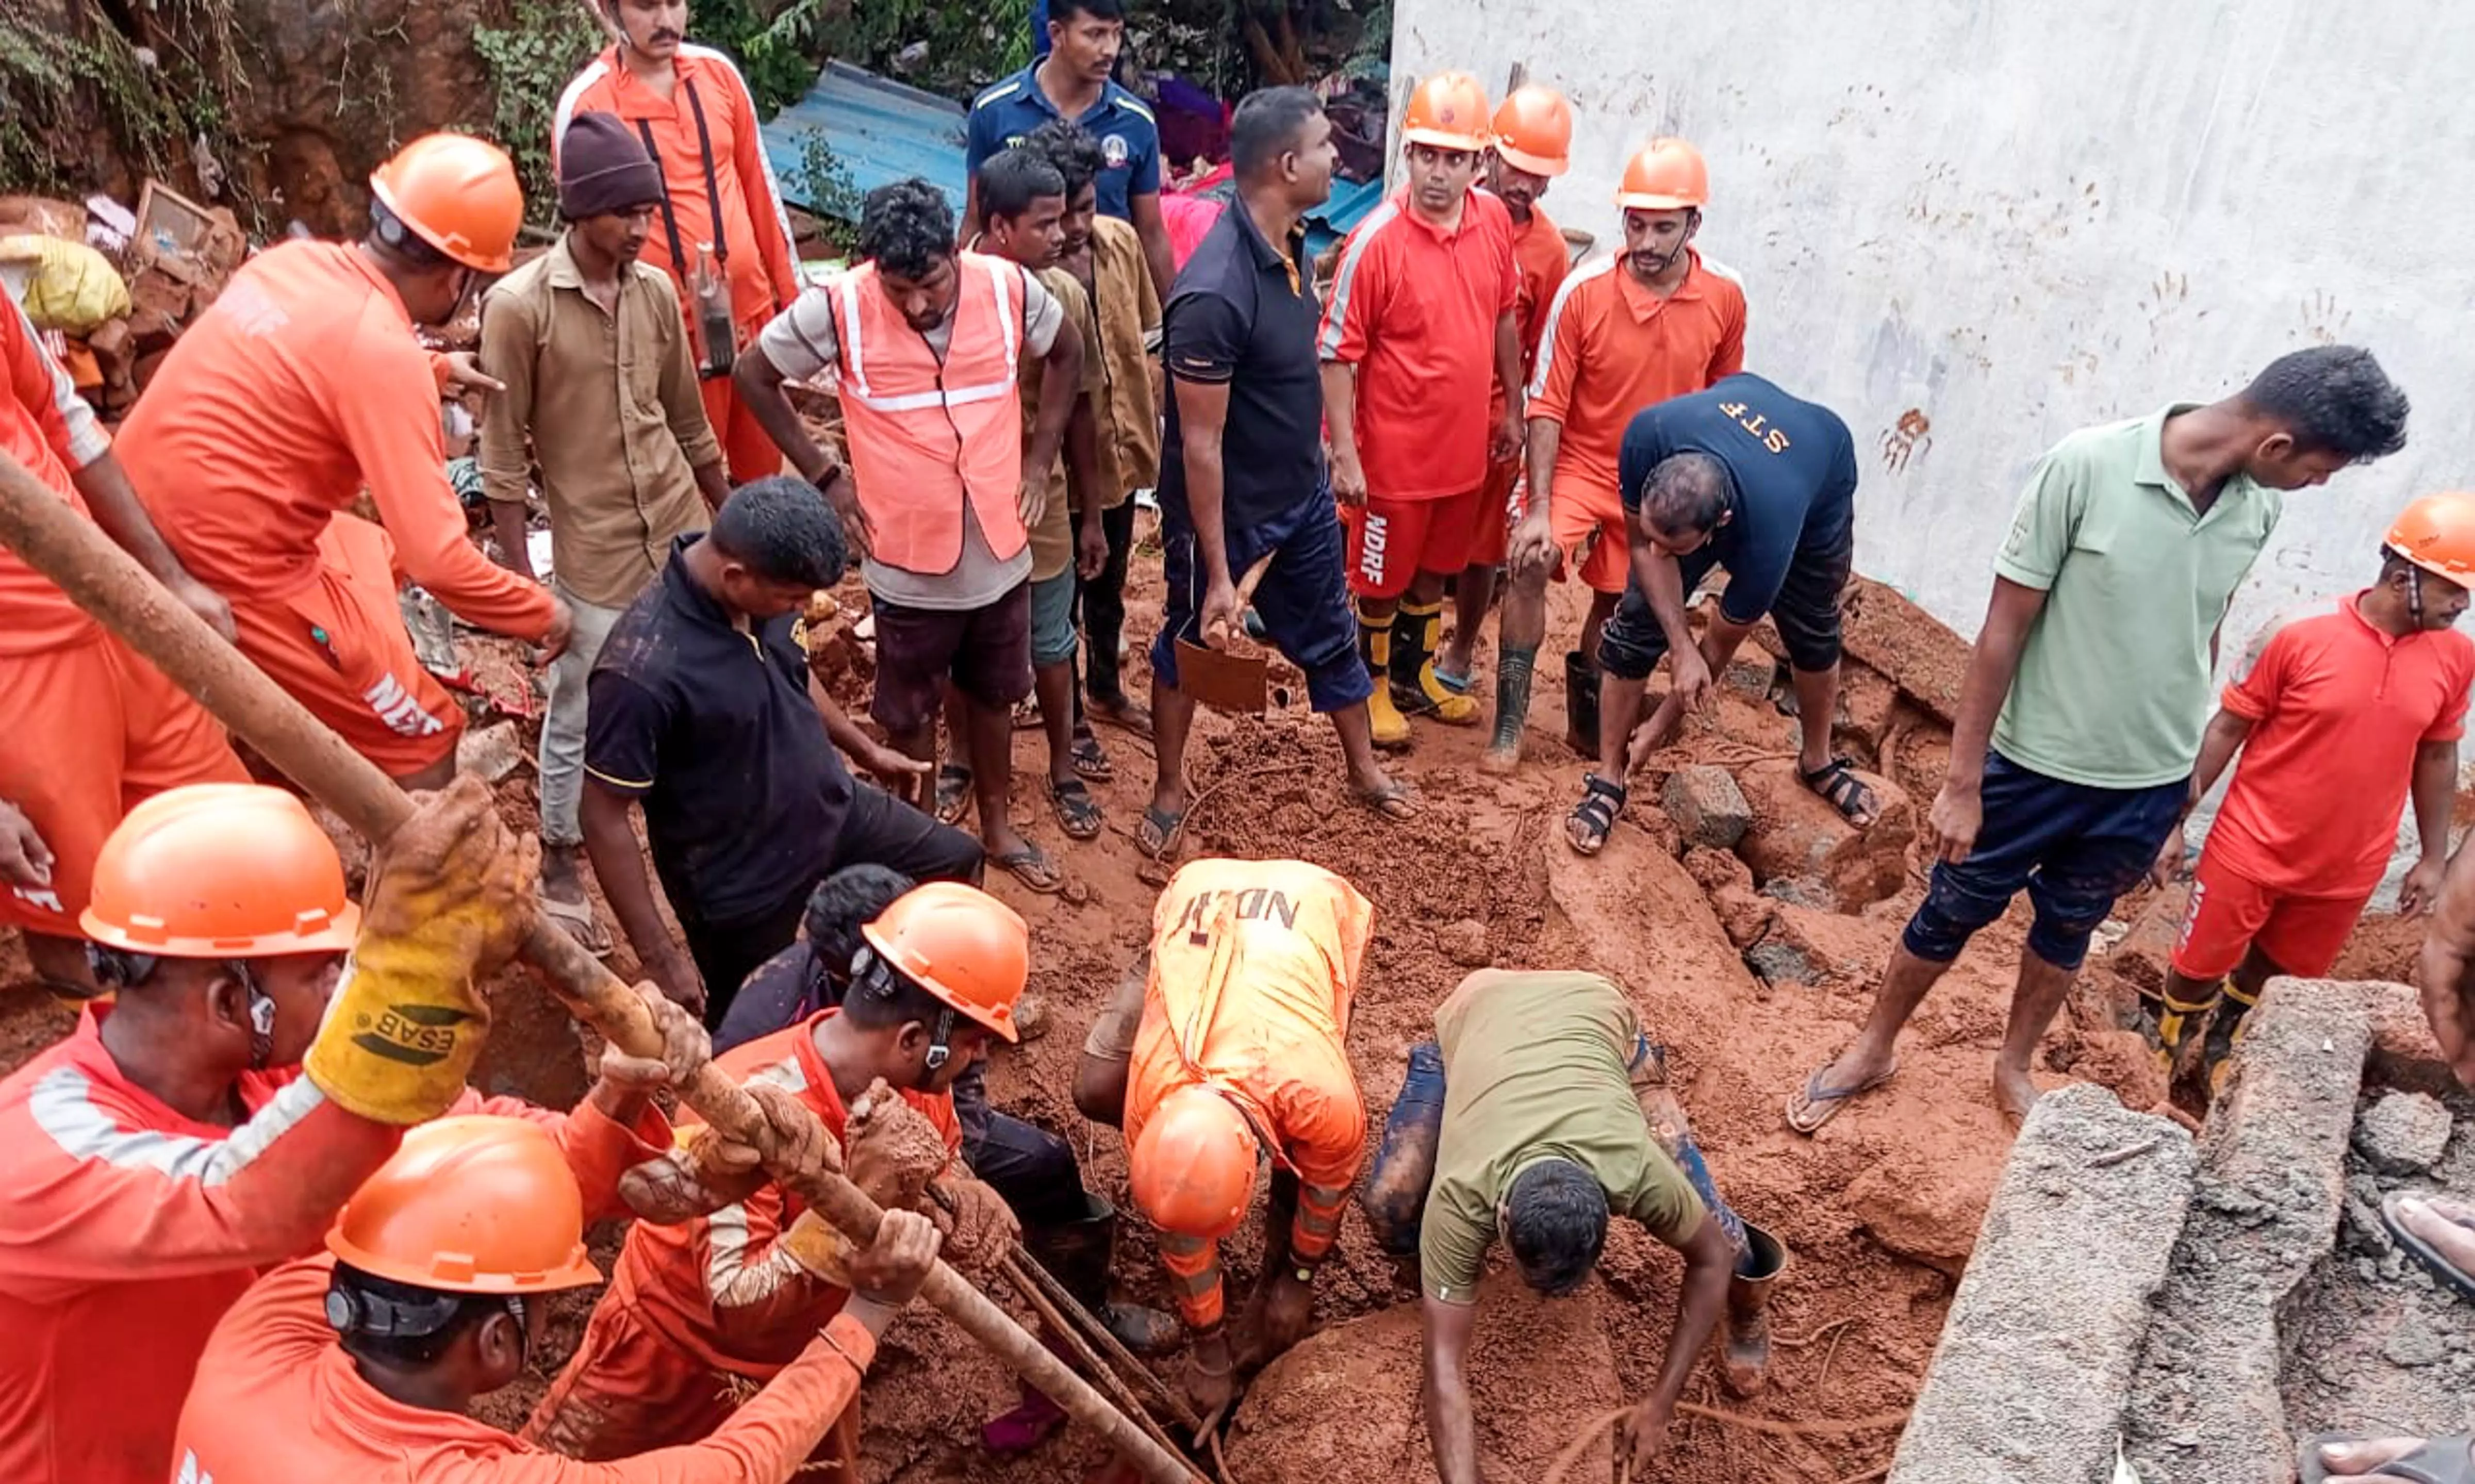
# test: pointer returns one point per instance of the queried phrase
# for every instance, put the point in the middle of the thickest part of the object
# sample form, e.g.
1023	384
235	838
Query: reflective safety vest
925	436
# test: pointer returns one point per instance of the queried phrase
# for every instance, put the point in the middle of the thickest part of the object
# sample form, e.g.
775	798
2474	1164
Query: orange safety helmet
2438	534
1664	175
478	1205
1534	130
1193	1165
458	194
1447	110
220	870
960	944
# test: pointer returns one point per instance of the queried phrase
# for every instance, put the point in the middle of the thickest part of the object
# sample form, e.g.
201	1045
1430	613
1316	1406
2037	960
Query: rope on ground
1866	1478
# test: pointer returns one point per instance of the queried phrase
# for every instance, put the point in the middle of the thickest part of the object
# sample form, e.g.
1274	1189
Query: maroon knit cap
602	167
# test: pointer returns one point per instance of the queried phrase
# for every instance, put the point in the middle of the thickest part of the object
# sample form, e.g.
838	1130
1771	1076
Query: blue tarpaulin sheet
880	131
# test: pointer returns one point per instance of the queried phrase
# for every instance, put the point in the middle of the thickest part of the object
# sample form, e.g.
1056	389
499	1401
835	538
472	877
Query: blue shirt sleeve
979	138
1143	175
1644	445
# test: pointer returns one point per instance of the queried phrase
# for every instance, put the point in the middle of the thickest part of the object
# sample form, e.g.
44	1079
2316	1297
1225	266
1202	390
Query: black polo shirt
1243	312
1794	466
711	728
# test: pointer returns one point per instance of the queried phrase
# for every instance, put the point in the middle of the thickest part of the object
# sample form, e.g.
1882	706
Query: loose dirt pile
1753	966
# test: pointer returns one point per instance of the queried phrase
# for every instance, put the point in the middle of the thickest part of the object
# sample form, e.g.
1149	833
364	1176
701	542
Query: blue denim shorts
2074	847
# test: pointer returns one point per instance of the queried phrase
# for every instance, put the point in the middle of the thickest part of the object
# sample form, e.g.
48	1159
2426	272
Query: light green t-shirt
1535	1068
2114	686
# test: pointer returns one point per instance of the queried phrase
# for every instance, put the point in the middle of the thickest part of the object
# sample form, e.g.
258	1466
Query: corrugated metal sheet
879	130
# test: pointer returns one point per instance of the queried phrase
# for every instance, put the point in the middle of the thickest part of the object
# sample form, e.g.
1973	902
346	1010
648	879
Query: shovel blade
1222	681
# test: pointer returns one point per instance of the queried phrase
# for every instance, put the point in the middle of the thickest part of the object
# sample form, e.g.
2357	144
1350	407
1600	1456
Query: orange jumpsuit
128	1230
697	1312
1253	966
303	383
113	729
760	260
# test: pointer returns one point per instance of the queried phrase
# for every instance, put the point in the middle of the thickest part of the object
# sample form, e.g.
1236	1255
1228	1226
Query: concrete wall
1996	222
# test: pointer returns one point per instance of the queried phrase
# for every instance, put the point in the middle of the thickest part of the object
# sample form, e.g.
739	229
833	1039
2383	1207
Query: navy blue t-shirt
1243	312
1120	123
1794	471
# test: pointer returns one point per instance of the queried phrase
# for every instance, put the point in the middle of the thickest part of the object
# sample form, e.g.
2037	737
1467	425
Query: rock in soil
1923	1209
2403	1133
1344	1405
1707	807
1464	942
1797	833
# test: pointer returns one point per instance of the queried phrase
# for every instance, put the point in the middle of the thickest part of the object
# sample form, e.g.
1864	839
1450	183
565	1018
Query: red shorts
338	646
1589	517
1500	504
1393	541
2229	914
95	729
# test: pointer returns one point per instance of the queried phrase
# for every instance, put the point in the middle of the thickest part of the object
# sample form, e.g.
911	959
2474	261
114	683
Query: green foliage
531	63
48	79
826	182
959	48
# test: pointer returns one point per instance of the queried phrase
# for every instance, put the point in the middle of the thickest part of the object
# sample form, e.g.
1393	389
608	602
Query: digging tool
1222	679
108	583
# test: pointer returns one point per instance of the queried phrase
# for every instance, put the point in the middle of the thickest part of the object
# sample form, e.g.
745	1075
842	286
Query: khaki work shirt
616	422
1052	540
1128	307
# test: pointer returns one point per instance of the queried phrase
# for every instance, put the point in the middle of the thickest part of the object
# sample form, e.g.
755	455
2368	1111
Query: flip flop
1077	812
1119	711
1396	801
1030	864
1460	684
2439	1461
1812	1106
2424	1252
953	791
1156	836
1092	760
581	922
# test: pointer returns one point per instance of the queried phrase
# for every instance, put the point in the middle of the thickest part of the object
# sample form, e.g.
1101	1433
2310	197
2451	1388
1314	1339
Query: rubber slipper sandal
2424	1252
1812	1106
1460	684
2439	1461
1396	801
1092	760
1121	711
581	922
1077	812
1027	715
1596	814
1031	866
1836	783
953	791
1156	836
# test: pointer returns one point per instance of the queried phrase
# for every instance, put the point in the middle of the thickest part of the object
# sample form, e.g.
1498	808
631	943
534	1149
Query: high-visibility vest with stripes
925	436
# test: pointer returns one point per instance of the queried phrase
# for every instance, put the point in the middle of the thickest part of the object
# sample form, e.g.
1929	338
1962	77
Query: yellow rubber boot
2164	1024
1415	689
1375	646
2225	1033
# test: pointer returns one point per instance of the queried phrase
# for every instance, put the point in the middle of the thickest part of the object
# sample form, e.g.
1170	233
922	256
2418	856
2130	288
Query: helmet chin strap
1682	241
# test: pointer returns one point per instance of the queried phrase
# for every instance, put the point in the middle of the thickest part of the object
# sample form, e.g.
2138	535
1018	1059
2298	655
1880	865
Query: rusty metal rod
108	583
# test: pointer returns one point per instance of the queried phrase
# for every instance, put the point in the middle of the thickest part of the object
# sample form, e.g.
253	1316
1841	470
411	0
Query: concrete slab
2205	1405
2042	1337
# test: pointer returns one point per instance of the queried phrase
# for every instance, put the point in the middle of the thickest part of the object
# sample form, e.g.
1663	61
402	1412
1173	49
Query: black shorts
985	651
1806	612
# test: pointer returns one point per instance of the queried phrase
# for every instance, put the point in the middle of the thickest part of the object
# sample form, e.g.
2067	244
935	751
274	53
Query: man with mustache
601	399
720	204
1624	332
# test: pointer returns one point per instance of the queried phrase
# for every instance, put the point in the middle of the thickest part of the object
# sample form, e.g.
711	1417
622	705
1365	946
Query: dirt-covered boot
2225	1033
1411	667
2165	1024
1580	704
1512	668
1375	647
1746	1358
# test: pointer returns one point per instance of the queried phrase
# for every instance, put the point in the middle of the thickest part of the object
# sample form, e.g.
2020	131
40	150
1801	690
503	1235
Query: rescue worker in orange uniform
1425	294
1226	1053
721	216
301	385
1533	142
698	1309
1623	333
113	728
176	1143
436	1279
